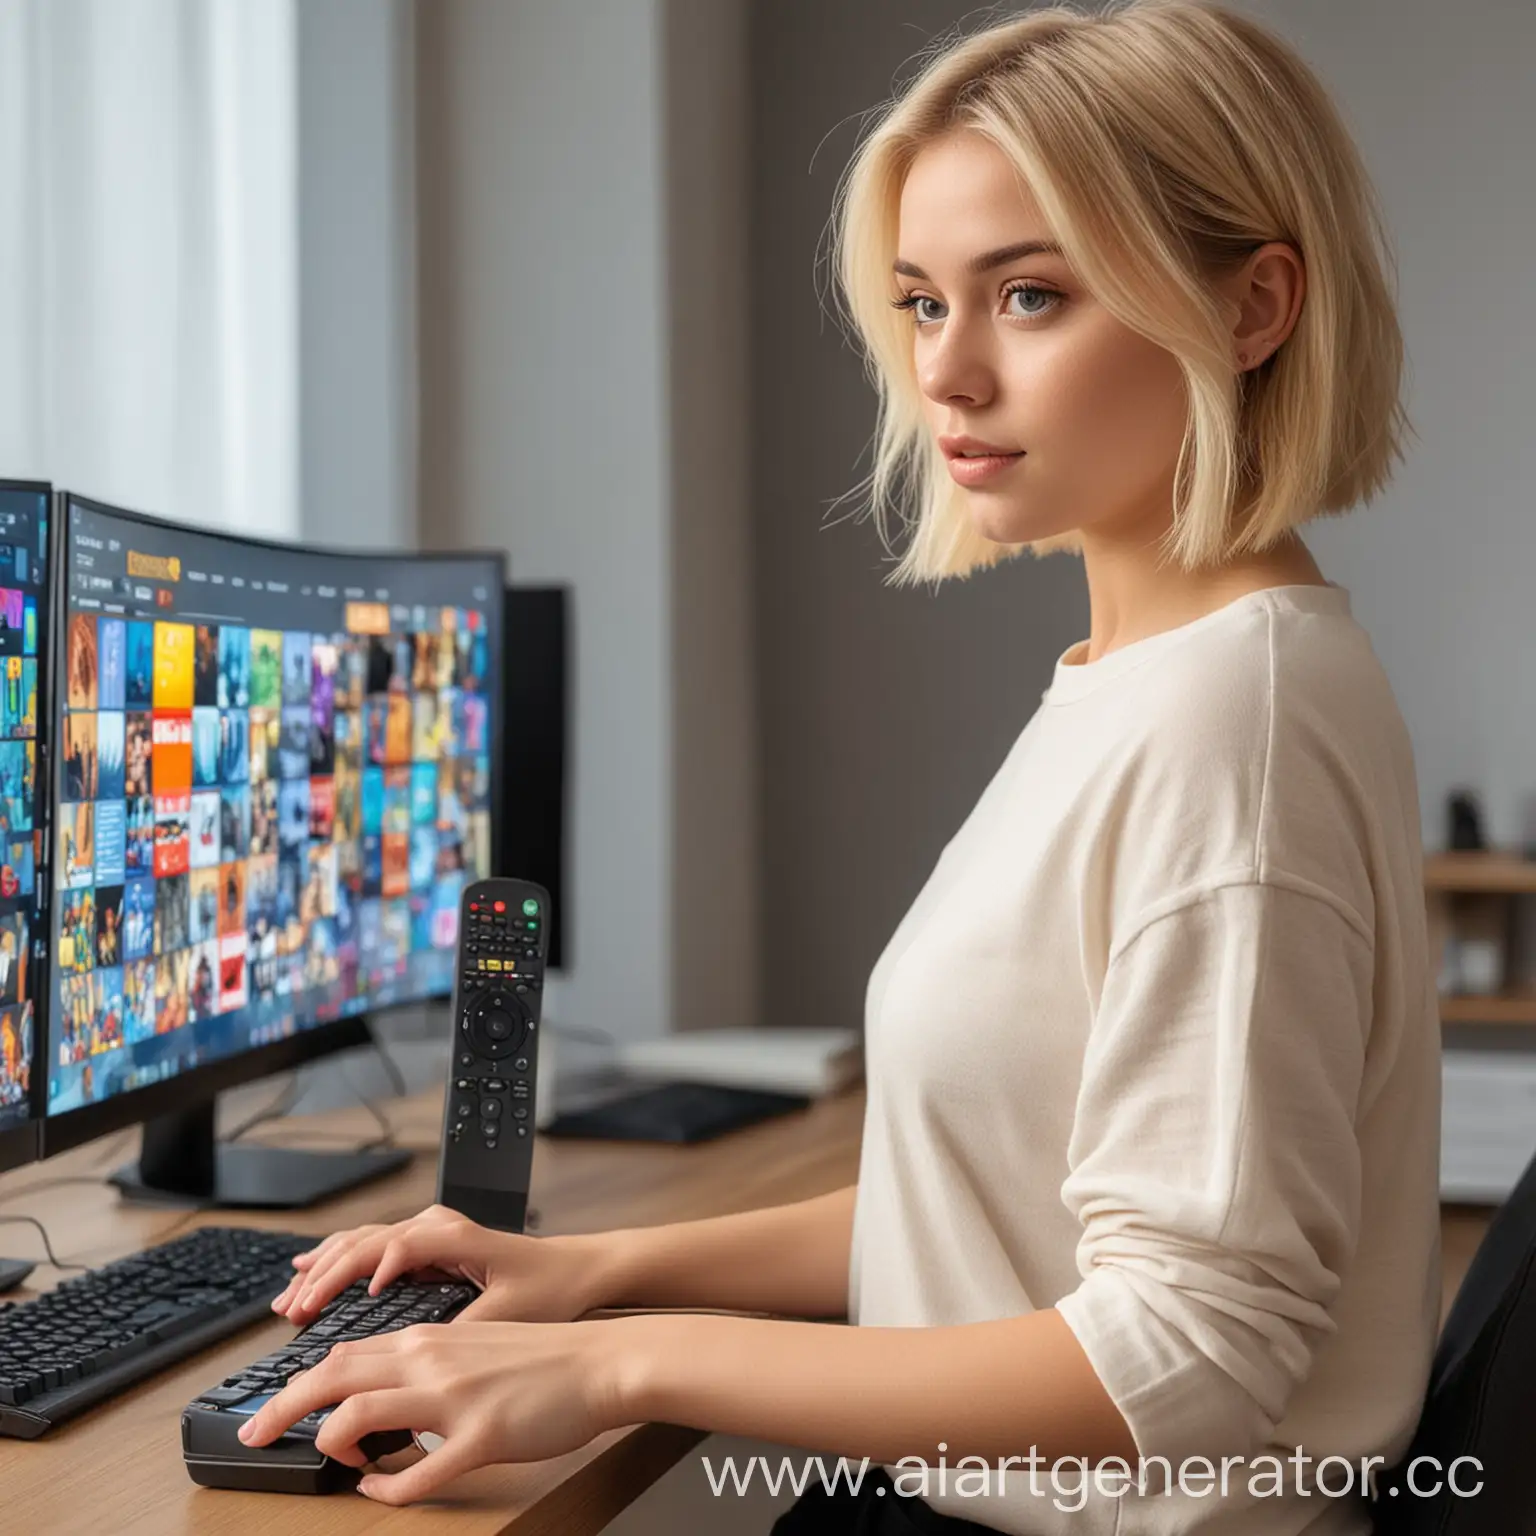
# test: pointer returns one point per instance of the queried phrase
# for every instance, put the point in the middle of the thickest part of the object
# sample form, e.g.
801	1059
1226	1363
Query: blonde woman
1148	1183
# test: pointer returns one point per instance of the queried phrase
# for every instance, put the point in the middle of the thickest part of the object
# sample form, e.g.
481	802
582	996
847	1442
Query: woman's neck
1134	591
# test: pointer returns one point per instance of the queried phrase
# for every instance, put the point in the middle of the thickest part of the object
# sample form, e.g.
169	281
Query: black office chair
1482	1390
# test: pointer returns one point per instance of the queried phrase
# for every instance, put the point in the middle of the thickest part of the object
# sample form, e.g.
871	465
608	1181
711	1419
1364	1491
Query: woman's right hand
521	1279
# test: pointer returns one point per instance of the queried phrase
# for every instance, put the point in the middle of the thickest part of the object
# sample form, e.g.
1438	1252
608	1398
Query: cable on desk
53	1258
303	1135
279	1107
290	1095
388	1137
391	1066
42	1184
114	1147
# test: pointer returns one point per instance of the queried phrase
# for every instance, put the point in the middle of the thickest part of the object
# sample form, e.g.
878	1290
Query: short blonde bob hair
1164	141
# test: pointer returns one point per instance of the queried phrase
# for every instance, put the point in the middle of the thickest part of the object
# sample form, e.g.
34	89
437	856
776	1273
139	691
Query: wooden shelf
1496	872
1489	1008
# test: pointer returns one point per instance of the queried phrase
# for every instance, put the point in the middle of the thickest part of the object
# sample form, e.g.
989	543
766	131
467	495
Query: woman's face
1019	356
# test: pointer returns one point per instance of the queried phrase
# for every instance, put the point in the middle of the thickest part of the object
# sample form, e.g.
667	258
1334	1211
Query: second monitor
273	779
24	588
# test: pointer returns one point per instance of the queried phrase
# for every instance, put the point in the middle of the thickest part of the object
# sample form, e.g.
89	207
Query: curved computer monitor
273	779
24	592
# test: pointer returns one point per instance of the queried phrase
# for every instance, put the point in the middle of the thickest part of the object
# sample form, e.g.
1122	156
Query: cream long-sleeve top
1157	1046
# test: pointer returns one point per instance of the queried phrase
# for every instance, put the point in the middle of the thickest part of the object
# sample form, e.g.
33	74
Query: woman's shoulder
1288	666
1270	746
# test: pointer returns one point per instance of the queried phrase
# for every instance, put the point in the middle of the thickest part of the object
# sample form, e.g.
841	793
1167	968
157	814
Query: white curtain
148	256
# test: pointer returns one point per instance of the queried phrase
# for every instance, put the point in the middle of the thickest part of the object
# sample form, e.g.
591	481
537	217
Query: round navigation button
498	1023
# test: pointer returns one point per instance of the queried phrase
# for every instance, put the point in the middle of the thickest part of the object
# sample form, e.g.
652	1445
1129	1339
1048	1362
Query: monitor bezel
59	1132
22	1143
19	1145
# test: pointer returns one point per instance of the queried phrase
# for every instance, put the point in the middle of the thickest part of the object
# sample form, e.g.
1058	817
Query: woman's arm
1021	1387
791	1259
981	1389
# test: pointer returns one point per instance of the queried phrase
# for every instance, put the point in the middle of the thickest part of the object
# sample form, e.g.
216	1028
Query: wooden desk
118	1468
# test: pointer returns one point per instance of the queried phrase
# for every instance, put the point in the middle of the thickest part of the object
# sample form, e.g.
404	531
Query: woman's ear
1264	298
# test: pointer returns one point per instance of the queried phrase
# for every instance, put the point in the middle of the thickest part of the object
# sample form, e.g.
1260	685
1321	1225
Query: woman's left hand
494	1391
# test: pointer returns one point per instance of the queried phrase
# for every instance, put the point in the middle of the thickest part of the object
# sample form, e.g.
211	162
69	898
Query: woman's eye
913	303
1035	302
1030	291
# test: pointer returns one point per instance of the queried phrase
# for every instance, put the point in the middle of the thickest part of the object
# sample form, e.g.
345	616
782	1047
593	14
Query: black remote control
487	1156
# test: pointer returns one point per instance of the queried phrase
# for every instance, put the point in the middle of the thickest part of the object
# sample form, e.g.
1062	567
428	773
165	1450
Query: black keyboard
291	1464
99	1333
352	1315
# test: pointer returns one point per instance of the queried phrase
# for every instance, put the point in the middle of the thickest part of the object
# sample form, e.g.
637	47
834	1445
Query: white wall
551	382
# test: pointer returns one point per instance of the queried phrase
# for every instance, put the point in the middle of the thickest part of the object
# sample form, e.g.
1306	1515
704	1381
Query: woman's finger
390	1342
284	1298
335	1379
328	1280
303	1263
305	1280
366	1413
311	1256
409	1252
460	1454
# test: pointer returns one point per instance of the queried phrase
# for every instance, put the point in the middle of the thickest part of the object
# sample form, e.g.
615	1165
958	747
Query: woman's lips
978	471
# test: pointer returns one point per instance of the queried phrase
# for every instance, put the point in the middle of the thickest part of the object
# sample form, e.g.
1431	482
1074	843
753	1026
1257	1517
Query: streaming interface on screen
274	770
23	619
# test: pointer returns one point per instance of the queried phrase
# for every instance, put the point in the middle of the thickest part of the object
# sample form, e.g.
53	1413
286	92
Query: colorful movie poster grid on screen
251	815
18	827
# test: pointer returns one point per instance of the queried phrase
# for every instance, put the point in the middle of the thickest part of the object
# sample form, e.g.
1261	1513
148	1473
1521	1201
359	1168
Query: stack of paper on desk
809	1061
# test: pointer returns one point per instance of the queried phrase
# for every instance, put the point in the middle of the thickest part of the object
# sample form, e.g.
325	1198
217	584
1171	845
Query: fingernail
246	1429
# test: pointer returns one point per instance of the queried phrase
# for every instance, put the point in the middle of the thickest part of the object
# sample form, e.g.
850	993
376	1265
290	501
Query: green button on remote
530	907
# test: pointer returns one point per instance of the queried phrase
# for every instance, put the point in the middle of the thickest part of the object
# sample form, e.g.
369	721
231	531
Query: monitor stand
180	1163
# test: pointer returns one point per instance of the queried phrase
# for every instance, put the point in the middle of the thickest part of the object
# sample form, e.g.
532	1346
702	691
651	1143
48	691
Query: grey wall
357	276
1440	100
884	713
582	400
580	411
714	887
